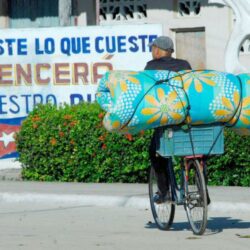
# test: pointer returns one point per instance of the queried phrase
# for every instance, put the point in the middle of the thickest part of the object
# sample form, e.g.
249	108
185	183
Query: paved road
112	216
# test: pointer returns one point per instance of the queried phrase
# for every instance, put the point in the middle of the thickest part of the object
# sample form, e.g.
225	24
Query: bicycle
191	191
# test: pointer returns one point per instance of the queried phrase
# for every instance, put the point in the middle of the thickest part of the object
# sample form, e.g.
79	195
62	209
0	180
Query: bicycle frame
175	190
178	193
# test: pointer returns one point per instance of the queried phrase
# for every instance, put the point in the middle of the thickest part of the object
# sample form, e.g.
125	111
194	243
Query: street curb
138	202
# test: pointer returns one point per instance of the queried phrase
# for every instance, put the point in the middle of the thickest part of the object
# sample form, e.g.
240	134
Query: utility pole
97	8
4	19
64	9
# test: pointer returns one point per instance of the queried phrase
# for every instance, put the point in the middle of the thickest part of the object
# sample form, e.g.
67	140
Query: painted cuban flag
8	128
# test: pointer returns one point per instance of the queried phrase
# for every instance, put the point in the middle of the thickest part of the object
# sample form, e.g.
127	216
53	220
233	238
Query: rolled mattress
136	101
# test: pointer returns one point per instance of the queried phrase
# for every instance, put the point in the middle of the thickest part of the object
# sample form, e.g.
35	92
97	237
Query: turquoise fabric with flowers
136	101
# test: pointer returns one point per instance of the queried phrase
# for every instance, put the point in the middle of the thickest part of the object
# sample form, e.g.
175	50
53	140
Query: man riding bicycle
162	50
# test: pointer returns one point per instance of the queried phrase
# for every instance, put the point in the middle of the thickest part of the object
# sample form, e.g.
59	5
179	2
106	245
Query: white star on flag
7	138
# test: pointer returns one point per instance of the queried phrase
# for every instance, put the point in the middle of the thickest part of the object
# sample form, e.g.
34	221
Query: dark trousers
159	163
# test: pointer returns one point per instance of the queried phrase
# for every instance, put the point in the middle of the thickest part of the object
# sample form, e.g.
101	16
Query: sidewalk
77	216
54	215
227	199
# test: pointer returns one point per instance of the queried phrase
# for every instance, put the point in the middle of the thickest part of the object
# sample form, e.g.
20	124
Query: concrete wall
215	19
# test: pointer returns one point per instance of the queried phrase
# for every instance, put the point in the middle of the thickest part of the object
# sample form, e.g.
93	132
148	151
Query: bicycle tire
196	198
163	213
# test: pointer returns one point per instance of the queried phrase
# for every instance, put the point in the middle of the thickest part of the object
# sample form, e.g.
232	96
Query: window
28	13
189	8
116	10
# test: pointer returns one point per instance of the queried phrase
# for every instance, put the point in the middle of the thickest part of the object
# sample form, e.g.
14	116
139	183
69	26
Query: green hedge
70	144
233	167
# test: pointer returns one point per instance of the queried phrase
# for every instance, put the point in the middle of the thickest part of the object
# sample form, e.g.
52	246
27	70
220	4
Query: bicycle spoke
196	205
163	213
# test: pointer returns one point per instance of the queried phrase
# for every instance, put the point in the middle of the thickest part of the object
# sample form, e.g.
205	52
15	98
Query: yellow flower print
245	111
178	78
198	78
226	114
188	120
111	125
120	77
164	107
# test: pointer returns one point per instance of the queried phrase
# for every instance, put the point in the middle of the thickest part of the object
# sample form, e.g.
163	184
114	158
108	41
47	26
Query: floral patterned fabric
136	101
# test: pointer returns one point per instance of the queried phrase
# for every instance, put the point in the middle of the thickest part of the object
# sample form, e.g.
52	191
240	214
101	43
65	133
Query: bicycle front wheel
163	213
196	198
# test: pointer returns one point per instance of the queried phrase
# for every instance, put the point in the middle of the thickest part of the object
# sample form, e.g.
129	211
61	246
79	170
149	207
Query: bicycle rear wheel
163	213
196	198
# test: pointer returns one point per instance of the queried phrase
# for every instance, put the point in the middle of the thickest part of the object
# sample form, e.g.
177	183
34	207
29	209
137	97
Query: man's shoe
159	198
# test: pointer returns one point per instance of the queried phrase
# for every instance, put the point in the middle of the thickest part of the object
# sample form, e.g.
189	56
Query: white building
200	30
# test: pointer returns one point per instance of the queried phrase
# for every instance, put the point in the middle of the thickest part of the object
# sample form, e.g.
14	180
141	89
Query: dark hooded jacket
168	63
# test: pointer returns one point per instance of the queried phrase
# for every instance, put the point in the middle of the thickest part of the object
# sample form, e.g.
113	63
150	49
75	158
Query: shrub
70	144
233	167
